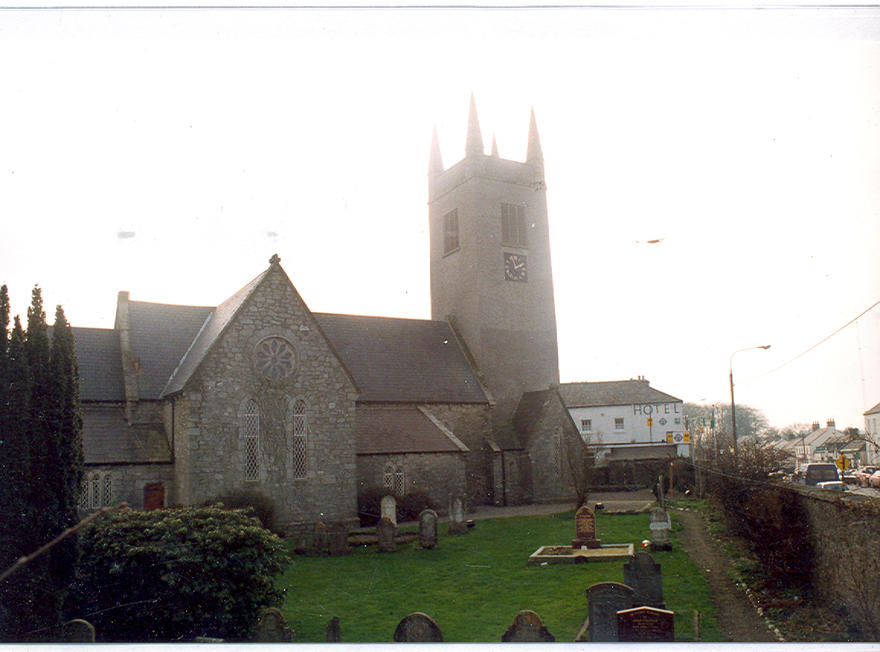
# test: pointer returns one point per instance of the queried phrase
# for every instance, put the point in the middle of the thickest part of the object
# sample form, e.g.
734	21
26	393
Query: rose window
275	358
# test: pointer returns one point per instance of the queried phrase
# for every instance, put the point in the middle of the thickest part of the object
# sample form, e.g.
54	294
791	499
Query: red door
154	496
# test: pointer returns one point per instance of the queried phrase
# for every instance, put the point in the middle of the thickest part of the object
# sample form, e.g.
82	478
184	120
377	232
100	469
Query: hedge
174	574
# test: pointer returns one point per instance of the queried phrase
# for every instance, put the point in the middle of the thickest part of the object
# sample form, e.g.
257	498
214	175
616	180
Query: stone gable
273	353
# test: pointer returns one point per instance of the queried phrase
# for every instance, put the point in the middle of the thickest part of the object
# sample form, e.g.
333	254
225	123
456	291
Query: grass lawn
473	585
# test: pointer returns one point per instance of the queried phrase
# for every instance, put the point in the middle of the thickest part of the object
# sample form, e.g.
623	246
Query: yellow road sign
843	463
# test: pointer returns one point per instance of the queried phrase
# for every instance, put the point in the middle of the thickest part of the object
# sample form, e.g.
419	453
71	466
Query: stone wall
208	442
127	481
439	475
472	424
846	569
554	442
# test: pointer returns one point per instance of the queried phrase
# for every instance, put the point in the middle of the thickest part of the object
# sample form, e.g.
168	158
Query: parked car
864	473
832	486
820	472
849	477
874	480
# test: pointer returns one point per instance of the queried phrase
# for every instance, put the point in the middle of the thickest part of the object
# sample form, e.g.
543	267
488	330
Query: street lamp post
732	404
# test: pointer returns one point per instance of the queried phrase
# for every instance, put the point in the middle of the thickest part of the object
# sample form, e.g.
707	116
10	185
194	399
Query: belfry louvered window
299	439
513	225
450	231
250	435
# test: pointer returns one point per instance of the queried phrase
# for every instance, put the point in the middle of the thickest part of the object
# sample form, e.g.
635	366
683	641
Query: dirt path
737	618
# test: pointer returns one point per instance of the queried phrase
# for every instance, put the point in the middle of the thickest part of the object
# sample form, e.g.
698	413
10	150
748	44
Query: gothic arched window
299	439
249	420
393	479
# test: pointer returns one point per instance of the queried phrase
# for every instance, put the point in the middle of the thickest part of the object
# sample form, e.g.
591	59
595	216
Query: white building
627	419
872	434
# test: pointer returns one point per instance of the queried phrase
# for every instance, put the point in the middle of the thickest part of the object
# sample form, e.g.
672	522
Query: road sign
650	421
843	463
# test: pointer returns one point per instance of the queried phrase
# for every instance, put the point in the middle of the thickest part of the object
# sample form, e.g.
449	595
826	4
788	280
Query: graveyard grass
472	585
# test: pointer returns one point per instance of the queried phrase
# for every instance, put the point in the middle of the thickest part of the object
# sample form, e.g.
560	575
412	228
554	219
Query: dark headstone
417	628
428	528
78	631
643	574
605	600
320	539
585	529
660	526
645	625
456	516
385	531
272	628
527	628
389	508
333	633
337	541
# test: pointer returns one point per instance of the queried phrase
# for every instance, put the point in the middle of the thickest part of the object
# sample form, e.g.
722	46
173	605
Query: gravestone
385	532
527	628
645	625
585	529
78	631
428	528
333	633
389	508
337	542
660	526
605	600
643	574
417	628
456	516
272	628
320	538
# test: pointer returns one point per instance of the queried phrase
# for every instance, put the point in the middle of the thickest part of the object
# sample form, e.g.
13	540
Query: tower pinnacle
474	137
534	153
435	162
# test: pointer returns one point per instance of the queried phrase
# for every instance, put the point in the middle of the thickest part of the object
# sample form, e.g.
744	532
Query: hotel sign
648	409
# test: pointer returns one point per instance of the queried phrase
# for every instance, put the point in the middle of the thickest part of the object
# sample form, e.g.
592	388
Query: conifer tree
65	422
16	524
45	468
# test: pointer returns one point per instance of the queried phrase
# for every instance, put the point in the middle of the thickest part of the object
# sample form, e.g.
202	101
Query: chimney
815	425
830	423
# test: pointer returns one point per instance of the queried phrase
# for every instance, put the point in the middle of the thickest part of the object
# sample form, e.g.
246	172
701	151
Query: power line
822	341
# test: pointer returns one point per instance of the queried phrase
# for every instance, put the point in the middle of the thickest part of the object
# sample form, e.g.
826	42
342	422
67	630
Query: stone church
182	404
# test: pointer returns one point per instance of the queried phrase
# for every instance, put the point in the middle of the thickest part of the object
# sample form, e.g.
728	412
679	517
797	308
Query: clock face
515	267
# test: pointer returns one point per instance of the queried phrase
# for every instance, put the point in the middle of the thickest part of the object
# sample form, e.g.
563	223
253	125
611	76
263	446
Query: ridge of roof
611	392
213	327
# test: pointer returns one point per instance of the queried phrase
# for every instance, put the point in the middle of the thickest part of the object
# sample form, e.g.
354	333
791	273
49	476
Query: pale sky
170	153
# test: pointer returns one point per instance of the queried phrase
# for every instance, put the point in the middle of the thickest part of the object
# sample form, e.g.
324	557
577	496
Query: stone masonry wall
472	424
846	568
553	443
128	481
440	475
209	448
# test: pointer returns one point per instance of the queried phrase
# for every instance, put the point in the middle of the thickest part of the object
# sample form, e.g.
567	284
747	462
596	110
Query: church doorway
154	496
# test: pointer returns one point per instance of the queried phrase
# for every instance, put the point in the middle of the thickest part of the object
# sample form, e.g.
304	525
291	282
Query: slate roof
873	410
402	360
210	329
615	392
387	429
109	439
160	336
100	364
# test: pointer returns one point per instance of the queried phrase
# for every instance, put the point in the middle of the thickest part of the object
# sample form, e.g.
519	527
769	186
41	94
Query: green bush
263	506
173	574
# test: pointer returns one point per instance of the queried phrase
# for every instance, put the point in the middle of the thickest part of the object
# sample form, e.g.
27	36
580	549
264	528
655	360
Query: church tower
491	276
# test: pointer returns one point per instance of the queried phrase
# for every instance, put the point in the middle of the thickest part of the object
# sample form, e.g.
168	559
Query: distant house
820	444
872	433
627	420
